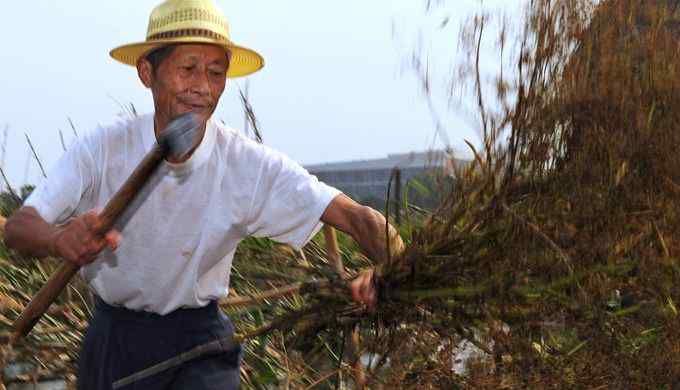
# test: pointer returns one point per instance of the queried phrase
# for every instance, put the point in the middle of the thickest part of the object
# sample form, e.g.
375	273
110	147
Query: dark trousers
120	342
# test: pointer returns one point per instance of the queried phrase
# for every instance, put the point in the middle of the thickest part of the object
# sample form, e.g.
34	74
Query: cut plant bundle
557	252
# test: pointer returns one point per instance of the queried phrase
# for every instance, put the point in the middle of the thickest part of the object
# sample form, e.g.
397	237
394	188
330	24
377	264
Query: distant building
367	180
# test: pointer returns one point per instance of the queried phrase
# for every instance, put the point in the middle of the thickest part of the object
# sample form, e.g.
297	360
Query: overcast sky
333	87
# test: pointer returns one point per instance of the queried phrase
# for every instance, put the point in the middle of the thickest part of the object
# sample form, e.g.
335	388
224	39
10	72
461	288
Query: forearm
366	226
370	230
29	234
370	233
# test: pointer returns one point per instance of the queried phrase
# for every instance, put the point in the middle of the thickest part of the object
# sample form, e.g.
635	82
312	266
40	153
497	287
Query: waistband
208	312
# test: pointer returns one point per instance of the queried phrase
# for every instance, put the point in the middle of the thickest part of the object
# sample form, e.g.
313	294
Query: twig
4	146
387	217
478	85
565	258
61	137
35	154
250	115
133	110
124	108
332	250
9	187
662	242
324	378
276	293
281	323
333	254
73	127
341	355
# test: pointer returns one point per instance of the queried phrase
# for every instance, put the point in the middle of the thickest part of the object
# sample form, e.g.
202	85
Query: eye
216	73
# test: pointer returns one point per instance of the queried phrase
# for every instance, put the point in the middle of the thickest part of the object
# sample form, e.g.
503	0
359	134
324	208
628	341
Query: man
158	274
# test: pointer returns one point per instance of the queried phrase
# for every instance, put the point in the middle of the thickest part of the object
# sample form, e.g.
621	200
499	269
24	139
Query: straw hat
190	21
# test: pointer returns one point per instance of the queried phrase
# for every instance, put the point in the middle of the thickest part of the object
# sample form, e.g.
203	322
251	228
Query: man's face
191	78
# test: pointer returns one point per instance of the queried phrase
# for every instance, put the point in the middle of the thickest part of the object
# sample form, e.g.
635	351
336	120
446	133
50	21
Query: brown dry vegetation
557	252
567	233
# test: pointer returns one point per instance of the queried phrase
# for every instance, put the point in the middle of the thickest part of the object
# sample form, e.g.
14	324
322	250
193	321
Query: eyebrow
221	60
221	65
188	58
218	61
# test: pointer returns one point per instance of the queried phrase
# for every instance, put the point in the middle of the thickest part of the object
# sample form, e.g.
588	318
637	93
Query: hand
79	242
363	289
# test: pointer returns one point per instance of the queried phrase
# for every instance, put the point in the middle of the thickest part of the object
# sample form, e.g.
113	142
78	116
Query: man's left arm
367	227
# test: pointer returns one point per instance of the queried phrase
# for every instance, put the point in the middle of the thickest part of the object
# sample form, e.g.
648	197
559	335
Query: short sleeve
68	187
288	202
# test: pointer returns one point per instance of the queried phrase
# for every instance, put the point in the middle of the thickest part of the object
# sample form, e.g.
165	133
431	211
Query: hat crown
182	15
177	22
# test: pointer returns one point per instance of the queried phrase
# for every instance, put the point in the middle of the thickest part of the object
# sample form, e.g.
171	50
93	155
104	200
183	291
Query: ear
145	72
229	57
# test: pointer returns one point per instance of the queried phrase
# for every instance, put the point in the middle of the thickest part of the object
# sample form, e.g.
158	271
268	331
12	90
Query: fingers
355	288
80	242
363	290
91	219
113	238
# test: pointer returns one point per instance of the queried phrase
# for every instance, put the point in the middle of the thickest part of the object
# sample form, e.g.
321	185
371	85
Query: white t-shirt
180	234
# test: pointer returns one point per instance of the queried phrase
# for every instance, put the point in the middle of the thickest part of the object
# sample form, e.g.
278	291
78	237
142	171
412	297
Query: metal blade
178	137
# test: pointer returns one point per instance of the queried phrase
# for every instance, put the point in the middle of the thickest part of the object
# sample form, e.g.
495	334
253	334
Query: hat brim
243	62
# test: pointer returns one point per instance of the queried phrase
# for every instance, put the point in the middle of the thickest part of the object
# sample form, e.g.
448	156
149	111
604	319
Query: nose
199	82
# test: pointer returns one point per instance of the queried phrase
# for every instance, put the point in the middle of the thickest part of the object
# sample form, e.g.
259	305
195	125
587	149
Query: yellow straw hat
190	21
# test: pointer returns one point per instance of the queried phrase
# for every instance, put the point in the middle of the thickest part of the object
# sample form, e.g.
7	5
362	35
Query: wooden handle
58	281
44	298
127	192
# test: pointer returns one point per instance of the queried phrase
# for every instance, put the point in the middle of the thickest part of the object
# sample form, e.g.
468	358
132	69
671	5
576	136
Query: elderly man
158	275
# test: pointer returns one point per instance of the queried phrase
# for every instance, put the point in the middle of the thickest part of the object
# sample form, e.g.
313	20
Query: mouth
194	106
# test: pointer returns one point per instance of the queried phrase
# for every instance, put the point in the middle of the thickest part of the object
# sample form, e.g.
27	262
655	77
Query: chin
204	115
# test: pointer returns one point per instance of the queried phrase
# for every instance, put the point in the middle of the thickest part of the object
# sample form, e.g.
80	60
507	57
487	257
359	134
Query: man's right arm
76	241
